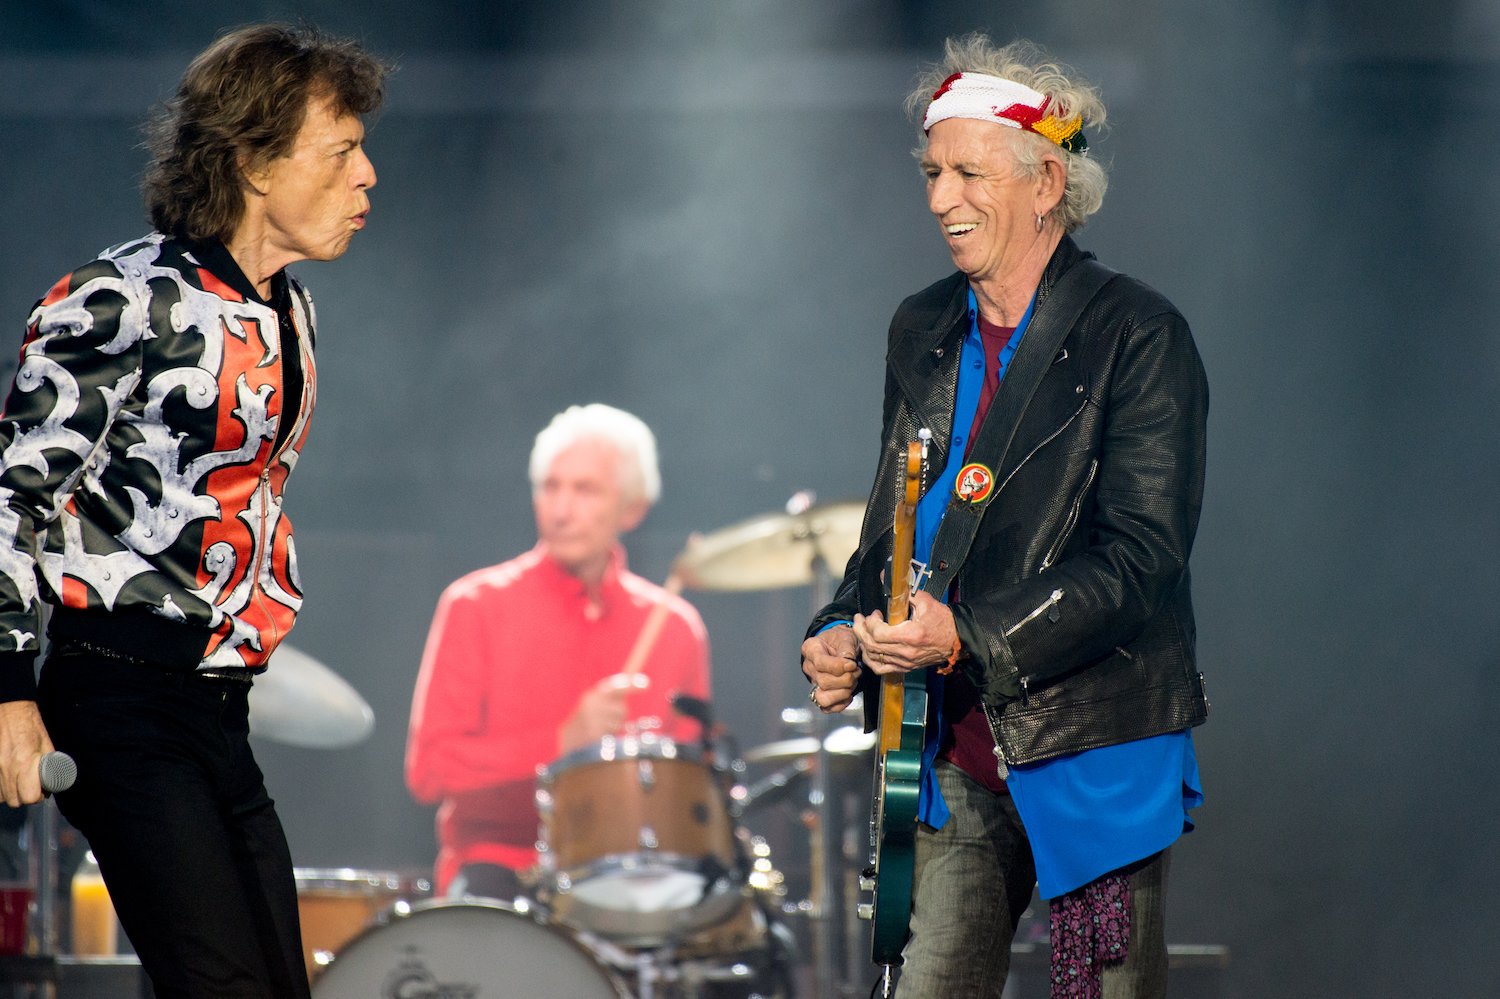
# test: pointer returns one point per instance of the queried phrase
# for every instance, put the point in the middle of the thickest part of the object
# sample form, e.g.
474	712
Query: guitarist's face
985	203
582	507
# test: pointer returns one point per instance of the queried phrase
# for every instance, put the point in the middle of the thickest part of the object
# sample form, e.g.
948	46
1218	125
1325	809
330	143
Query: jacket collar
562	581
924	360
216	258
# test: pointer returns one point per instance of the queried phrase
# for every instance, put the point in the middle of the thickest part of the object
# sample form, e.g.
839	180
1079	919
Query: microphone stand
40	831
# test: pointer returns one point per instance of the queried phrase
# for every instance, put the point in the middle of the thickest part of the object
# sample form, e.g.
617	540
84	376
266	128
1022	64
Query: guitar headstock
913	478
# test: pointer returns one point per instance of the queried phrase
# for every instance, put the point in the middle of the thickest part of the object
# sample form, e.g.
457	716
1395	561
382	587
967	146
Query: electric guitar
898	760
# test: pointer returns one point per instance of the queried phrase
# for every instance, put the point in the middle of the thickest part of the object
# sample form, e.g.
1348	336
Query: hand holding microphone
57	772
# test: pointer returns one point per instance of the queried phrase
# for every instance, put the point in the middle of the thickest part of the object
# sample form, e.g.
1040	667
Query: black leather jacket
1072	603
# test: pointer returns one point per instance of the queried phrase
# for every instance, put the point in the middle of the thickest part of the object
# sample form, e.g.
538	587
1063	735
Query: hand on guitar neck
832	659
926	638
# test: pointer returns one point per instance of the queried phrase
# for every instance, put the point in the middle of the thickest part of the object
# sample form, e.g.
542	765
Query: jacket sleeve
1140	522
80	361
452	744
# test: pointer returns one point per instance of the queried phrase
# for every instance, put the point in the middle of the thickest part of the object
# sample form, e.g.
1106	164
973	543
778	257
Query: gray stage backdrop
705	212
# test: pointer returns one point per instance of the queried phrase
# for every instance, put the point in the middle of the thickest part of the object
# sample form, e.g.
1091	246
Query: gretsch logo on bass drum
413	980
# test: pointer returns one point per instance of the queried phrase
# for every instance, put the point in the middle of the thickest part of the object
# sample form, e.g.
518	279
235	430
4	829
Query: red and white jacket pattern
141	472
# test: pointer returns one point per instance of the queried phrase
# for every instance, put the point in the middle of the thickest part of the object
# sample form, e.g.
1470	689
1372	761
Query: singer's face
313	200
582	507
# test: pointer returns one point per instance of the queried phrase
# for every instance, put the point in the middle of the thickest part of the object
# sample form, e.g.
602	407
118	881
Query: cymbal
849	740
300	702
773	550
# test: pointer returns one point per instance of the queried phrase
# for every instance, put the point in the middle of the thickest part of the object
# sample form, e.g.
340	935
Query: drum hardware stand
646	975
649	965
826	844
745	797
794	547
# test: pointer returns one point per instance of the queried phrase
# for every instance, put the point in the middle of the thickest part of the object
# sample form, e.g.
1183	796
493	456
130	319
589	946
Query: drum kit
646	890
649	885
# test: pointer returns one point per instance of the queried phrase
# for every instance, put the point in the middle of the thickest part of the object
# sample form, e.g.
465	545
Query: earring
1039	220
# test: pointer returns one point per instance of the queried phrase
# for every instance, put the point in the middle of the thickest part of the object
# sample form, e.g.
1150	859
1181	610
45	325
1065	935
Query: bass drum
473	950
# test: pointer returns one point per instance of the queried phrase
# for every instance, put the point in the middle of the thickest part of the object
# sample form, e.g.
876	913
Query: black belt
71	644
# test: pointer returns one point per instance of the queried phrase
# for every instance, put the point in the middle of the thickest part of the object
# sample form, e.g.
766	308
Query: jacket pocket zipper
1001	766
1048	607
1072	521
1050	604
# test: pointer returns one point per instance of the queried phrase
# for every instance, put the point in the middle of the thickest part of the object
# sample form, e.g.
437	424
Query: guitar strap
1053	319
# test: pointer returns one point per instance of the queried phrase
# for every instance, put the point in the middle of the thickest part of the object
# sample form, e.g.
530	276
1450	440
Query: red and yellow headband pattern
1004	102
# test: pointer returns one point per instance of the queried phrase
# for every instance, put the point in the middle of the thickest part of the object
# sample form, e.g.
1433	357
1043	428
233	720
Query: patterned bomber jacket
142	460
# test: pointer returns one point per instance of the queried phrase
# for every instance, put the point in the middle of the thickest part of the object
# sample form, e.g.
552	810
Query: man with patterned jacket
162	399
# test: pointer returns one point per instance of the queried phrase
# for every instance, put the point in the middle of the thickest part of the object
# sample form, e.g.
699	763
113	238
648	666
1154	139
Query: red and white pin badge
974	484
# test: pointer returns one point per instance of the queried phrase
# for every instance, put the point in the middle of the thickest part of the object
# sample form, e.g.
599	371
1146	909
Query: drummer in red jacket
524	659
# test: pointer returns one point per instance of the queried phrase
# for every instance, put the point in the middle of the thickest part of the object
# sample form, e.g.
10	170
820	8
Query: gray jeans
974	879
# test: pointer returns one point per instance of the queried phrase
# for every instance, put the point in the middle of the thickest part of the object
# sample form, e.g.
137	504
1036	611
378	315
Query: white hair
631	439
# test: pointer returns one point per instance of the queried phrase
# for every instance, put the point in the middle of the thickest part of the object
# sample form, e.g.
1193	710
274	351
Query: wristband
947	668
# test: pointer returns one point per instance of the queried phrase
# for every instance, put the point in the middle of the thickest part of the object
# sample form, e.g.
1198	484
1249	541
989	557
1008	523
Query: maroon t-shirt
968	743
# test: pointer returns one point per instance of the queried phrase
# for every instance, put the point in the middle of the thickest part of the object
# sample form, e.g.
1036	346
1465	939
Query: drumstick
652	627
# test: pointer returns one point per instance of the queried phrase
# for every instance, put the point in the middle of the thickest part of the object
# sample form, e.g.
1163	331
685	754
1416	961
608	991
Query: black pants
176	812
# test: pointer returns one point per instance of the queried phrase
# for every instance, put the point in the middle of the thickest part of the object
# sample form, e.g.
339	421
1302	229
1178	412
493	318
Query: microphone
57	771
695	708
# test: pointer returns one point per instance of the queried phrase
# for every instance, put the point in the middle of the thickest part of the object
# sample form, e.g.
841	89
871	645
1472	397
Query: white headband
1004	102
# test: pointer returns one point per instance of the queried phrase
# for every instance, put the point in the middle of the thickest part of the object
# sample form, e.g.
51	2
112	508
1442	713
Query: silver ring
812	695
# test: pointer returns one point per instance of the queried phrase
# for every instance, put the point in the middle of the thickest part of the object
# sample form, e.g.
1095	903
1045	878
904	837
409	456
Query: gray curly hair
1026	63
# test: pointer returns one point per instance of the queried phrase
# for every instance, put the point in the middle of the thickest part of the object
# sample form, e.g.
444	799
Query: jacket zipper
1047	440
1050	604
1048	607
1072	520
263	547
266	543
1002	766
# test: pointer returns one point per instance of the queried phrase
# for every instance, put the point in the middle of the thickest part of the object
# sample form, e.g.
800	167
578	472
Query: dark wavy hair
240	104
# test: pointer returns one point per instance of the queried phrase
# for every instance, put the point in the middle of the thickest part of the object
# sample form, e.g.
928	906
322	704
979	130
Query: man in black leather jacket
1051	568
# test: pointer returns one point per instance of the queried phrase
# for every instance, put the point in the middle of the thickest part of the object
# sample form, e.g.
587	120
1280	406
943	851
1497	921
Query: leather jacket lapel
925	361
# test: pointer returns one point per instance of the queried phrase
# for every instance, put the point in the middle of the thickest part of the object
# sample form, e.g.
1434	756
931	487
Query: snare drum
636	842
465	949
335	904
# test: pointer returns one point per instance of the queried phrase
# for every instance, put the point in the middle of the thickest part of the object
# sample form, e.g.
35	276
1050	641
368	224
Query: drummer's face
582	507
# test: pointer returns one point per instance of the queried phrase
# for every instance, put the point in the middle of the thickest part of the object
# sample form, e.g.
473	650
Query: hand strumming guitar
829	661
